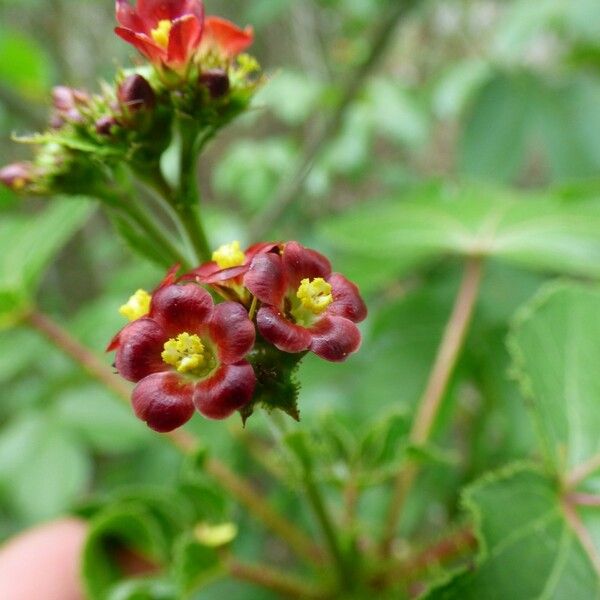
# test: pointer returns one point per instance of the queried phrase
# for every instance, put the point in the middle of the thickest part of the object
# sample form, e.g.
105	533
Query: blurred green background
504	93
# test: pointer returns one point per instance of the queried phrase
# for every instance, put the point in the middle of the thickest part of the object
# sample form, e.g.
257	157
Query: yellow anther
315	295
137	306
229	255
162	32
185	352
18	183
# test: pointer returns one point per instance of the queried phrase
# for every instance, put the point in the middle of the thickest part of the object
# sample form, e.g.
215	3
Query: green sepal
277	387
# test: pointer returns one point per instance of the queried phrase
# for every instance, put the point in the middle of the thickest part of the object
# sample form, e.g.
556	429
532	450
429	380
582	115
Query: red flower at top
165	31
187	353
169	32
304	305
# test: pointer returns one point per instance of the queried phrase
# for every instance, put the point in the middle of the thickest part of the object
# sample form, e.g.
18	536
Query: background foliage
477	132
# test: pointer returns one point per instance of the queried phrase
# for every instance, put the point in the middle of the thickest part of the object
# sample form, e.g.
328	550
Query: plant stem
239	488
583	535
281	583
318	506
442	551
429	405
292	185
583	471
187	201
329	533
155	233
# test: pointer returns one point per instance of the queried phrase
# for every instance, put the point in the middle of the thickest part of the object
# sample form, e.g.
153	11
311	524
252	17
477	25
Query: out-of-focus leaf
528	551
23	64
538	233
291	96
124	525
144	589
42	468
101	420
194	564
27	245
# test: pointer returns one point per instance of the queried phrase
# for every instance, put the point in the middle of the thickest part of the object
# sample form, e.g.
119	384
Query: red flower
226	271
187	353
167	32
227	38
304	305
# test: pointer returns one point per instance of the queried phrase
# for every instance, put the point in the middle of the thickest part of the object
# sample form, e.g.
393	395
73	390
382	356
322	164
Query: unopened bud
104	125
66	102
17	175
136	93
216	81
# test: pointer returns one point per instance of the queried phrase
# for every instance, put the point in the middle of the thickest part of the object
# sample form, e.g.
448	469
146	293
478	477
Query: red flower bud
216	81
104	125
17	175
136	93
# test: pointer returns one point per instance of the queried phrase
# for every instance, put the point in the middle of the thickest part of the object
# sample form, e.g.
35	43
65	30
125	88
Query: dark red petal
128	17
265	279
260	248
142	43
335	338
301	263
169	279
230	388
228	37
163	401
180	308
283	334
184	38
346	299
232	331
140	346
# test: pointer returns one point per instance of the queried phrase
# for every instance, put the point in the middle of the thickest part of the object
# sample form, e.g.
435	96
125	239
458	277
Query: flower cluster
187	353
196	74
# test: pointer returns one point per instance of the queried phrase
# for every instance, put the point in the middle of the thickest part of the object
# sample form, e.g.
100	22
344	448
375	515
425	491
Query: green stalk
187	201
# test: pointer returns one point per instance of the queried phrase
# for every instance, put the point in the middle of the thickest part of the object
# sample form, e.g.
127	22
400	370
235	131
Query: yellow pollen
229	255
161	33
137	306
18	183
315	295
185	352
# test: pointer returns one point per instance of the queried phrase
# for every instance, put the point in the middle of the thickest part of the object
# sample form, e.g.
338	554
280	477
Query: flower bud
136	93
67	102
105	124
216	81
17	175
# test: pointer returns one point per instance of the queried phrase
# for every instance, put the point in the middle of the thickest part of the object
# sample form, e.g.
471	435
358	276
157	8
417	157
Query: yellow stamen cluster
186	353
137	306
18	183
162	32
229	255
315	295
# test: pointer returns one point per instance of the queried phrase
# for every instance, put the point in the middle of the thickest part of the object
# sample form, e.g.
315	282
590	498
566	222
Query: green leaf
102	421
27	245
42	468
23	64
539	233
556	352
528	549
194	564
125	525
144	589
